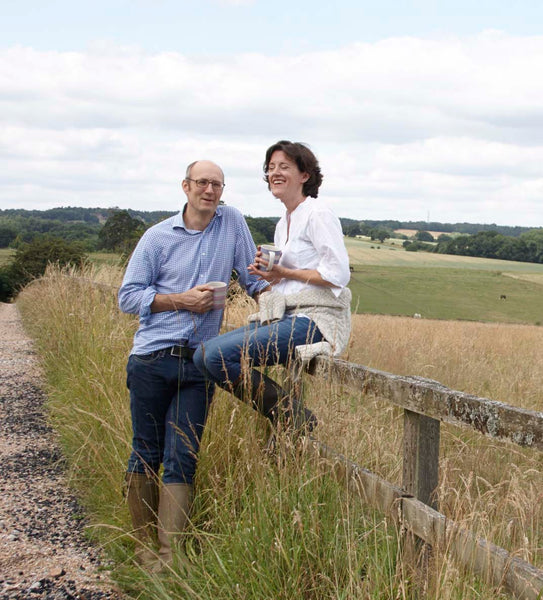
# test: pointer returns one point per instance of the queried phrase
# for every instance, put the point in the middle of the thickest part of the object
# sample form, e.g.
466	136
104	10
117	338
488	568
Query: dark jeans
169	401
220	358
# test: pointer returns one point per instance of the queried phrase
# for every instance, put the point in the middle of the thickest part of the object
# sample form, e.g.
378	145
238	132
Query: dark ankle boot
271	400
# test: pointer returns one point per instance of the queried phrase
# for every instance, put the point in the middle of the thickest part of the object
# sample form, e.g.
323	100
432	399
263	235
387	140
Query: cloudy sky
416	109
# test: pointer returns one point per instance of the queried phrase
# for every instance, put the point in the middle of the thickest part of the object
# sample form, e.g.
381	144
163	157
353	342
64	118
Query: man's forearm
164	302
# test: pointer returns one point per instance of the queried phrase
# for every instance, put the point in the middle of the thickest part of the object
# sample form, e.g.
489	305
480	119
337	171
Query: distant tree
417	245
352	230
262	229
528	247
7	235
120	232
534	245
379	234
424	236
31	260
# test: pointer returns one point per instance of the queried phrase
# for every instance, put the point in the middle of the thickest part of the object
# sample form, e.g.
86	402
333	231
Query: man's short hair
189	168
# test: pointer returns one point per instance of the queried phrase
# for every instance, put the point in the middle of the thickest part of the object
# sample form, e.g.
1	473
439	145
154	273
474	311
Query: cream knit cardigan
331	313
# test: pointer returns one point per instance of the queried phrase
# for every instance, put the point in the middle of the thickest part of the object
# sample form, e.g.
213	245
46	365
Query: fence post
421	457
420	478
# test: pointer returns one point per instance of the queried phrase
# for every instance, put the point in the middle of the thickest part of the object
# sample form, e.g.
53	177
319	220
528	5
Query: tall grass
277	525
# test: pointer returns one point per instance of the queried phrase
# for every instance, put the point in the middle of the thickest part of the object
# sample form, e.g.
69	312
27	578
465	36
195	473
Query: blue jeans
220	358
169	400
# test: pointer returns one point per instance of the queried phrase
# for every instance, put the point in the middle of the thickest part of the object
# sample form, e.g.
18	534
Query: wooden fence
414	506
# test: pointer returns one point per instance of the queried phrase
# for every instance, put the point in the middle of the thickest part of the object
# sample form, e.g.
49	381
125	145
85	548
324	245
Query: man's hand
198	299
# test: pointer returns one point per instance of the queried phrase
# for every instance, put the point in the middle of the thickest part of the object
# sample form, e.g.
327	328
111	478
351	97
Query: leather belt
182	352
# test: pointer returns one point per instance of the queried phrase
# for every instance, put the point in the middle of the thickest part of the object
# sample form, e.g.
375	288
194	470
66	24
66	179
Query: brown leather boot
173	515
142	498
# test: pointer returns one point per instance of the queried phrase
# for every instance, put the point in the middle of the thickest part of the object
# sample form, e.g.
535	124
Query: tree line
526	245
68	235
97	229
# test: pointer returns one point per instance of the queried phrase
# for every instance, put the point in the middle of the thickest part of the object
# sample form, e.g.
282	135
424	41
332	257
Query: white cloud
402	127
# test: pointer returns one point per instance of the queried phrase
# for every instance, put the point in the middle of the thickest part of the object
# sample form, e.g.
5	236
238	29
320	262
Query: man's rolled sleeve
137	292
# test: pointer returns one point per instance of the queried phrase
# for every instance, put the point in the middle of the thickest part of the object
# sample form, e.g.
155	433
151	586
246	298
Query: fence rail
432	399
426	403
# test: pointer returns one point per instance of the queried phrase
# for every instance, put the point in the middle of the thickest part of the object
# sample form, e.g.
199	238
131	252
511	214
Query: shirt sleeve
137	292
326	235
244	255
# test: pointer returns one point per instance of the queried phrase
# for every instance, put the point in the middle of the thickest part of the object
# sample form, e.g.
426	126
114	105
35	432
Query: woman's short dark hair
305	160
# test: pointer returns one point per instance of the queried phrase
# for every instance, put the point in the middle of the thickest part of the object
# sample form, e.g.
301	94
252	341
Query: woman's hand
260	268
274	276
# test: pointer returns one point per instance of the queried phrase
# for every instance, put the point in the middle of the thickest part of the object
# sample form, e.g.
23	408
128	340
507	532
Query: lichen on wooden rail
427	397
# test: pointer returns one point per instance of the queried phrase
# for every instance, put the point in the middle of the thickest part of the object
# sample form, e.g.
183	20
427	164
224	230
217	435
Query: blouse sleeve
327	237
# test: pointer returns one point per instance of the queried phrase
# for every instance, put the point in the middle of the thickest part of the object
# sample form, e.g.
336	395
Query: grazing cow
503	297
417	316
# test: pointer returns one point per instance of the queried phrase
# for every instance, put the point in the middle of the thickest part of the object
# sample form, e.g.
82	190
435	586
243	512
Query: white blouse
314	241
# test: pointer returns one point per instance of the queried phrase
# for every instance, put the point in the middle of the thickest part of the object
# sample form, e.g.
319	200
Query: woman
308	302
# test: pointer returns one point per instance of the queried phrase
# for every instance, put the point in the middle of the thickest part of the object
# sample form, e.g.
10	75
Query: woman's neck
292	204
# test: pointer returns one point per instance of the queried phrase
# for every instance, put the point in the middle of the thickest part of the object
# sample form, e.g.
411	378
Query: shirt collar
179	221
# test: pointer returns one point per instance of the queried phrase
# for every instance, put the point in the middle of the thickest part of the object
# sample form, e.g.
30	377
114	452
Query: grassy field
365	252
391	281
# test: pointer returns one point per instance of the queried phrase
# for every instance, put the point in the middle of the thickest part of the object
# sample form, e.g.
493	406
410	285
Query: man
164	284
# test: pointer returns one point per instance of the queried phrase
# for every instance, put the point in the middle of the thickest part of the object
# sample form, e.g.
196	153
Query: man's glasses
203	183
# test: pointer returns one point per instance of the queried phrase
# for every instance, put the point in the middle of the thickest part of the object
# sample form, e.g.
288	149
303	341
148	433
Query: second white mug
271	254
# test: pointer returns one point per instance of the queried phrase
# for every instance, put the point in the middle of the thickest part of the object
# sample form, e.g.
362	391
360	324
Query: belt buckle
182	351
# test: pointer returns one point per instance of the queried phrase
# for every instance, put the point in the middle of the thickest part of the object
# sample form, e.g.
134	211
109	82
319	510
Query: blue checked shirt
170	259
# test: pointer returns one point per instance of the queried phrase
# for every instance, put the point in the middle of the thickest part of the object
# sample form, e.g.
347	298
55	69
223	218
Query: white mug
270	253
219	293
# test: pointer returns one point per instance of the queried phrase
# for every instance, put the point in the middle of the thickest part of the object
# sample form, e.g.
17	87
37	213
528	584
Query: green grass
389	280
437	293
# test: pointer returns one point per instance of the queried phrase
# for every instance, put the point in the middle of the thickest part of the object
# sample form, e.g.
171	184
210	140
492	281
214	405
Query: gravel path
43	550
